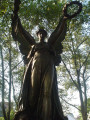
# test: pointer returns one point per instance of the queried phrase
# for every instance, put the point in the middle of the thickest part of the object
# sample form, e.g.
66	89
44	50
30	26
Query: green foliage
45	14
75	59
40	13
88	105
12	113
1	118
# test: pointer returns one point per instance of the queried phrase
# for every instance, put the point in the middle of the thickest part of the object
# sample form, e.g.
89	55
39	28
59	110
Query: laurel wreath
70	4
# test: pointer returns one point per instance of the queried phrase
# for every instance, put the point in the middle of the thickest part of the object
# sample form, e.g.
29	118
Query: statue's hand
16	6
65	17
14	16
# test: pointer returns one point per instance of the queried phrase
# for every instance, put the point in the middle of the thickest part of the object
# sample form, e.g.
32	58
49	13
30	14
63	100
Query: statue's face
41	36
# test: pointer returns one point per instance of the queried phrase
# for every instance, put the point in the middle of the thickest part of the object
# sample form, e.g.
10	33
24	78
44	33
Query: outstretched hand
14	16
16	6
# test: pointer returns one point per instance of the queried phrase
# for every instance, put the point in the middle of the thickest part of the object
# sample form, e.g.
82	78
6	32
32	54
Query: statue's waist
44	58
44	52
41	53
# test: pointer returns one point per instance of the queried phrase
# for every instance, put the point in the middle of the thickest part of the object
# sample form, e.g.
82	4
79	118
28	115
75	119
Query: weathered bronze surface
39	98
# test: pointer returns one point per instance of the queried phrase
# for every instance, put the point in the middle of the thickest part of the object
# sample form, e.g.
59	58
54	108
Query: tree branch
85	62
70	75
81	43
87	78
4	79
16	65
71	104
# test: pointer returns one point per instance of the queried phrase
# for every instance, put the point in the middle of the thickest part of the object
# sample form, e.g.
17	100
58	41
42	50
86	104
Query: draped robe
41	69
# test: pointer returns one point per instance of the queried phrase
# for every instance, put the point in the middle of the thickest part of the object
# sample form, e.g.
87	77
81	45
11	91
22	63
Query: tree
75	59
8	54
39	14
3	85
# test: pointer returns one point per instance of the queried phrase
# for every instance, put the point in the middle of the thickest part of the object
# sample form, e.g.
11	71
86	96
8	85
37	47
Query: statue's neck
42	40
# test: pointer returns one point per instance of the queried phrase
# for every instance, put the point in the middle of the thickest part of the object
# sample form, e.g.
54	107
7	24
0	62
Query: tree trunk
3	84
16	101
9	97
85	94
83	112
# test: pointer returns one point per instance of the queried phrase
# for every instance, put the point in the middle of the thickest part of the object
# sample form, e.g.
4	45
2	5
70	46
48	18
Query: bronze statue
39	98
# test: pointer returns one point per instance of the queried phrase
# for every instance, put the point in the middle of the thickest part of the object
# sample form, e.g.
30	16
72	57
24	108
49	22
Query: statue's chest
42	47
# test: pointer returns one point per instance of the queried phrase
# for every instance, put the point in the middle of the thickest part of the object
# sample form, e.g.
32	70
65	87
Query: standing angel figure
39	98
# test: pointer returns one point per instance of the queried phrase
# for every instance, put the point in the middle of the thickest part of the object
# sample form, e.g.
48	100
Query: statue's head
41	34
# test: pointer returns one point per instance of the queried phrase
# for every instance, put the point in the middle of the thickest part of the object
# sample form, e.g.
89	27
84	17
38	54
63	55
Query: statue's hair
42	31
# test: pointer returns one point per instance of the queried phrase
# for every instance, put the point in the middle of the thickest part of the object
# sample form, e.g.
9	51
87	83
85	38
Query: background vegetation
73	72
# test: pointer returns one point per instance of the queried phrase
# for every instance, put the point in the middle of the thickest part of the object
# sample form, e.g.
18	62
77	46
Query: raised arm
58	31
19	33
